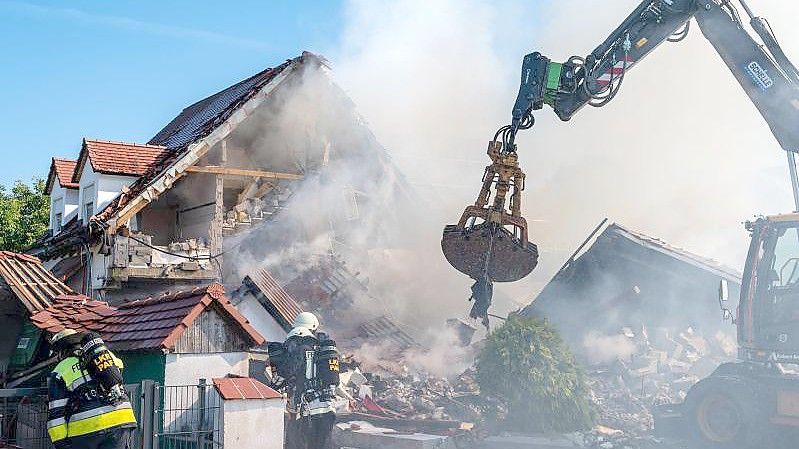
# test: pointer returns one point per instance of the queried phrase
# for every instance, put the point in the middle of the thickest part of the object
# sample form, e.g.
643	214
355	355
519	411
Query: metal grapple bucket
490	239
486	249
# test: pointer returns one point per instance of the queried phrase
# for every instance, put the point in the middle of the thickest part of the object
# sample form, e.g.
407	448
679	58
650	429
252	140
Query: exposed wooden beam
217	170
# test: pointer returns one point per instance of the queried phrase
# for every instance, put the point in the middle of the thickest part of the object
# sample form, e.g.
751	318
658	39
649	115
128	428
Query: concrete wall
187	369
253	423
260	319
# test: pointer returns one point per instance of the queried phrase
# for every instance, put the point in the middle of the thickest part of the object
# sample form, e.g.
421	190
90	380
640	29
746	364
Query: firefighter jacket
306	398
78	407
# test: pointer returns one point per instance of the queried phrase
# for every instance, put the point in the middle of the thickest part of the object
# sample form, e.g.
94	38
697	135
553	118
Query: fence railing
169	417
187	417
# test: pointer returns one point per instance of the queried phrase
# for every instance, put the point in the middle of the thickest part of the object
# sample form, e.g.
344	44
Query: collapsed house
277	162
644	317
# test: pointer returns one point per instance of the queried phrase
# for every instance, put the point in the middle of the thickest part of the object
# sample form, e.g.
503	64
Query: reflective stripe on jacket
77	407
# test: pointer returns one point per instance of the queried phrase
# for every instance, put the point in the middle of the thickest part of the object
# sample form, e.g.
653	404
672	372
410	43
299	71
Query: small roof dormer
116	158
61	171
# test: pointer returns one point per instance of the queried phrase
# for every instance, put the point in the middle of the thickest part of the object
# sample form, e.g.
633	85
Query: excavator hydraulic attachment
490	241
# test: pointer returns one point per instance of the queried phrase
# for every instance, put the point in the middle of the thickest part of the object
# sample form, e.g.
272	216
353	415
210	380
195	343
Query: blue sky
121	70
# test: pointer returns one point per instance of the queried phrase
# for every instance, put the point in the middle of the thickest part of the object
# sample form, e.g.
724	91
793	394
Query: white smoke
681	153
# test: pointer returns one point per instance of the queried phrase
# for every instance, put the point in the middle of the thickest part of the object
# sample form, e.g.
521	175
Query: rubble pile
660	370
414	396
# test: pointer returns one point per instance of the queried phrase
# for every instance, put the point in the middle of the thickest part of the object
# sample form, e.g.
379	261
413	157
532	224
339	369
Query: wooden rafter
217	170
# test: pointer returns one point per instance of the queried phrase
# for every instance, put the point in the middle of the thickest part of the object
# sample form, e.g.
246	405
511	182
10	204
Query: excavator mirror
724	292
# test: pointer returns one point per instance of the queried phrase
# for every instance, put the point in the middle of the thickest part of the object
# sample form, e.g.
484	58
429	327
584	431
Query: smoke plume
681	153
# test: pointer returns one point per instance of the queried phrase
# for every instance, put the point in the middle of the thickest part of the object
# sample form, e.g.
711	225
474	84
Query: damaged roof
151	323
271	295
29	281
616	230
117	158
61	170
197	122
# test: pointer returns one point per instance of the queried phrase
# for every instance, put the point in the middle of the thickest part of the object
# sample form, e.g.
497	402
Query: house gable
212	332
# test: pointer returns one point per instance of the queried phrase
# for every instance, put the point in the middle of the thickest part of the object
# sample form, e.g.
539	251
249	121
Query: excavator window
785	265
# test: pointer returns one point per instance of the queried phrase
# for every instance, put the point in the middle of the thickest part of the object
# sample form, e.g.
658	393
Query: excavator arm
489	242
763	71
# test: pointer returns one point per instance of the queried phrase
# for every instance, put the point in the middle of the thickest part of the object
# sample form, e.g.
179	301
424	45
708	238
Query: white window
58	209
88	202
88	210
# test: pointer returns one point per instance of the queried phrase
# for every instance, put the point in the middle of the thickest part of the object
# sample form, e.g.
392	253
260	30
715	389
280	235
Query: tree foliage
24	214
526	365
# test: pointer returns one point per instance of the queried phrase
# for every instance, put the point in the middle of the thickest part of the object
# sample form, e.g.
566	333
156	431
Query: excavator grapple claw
489	240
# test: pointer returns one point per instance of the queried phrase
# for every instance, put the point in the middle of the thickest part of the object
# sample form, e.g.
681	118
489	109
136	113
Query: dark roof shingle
151	323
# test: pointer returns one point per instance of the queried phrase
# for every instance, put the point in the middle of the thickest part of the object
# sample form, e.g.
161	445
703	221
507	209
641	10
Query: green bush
526	365
24	214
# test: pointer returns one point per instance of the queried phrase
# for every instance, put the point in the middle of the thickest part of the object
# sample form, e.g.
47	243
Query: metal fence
169	417
23	418
187	417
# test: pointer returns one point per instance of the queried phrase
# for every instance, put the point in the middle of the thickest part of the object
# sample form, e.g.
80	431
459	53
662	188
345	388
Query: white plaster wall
187	369
87	178
106	187
69	203
110	186
260	319
100	264
253	423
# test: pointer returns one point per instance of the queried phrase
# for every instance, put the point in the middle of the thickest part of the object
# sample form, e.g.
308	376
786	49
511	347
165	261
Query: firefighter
482	293
314	365
88	407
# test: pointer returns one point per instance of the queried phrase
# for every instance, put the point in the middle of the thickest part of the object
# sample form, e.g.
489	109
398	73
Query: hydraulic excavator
742	404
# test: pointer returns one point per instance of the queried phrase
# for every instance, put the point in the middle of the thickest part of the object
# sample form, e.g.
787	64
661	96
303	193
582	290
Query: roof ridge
120	142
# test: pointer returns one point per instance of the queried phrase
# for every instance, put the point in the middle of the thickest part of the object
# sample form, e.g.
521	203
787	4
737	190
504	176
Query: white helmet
307	320
299	332
62	335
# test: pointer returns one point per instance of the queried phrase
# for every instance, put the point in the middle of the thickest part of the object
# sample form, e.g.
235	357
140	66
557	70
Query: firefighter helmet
307	320
64	339
299	332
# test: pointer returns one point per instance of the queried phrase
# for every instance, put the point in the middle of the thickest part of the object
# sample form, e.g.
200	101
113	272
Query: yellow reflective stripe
79	381
57	433
117	361
101	422
100	411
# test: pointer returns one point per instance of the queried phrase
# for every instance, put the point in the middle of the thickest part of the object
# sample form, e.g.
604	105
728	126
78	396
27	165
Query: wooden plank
230	171
219	216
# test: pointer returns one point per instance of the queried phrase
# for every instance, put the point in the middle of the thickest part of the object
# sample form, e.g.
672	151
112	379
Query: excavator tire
725	412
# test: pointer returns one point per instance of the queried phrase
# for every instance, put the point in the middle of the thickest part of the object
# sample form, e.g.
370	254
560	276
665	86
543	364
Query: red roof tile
61	170
118	158
29	280
151	323
231	388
